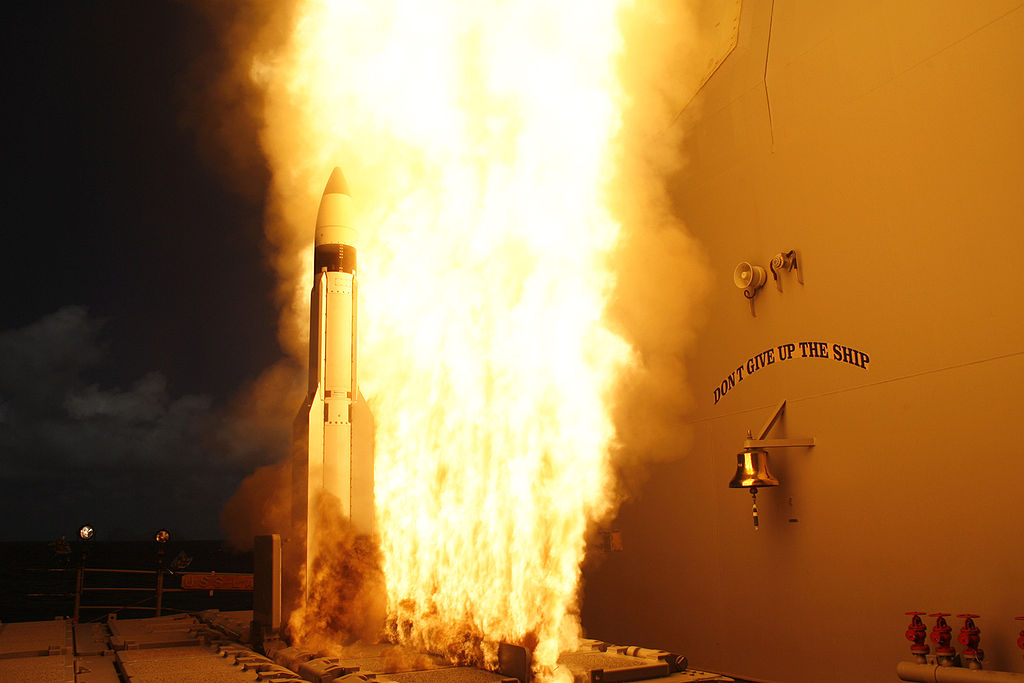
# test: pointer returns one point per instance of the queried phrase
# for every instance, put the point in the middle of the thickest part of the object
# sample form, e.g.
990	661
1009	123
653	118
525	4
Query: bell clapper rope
753	497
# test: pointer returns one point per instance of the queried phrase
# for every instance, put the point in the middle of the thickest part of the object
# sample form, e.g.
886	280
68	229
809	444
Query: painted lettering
761	360
814	349
845	354
808	349
723	388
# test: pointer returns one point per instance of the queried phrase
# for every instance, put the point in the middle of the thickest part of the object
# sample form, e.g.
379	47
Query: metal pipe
931	673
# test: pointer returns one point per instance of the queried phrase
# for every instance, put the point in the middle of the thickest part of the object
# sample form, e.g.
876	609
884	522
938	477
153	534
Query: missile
324	459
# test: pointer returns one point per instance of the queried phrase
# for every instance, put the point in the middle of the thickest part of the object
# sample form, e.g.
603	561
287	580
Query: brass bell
752	470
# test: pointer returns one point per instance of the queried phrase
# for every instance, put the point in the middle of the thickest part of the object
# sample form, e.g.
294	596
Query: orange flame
477	141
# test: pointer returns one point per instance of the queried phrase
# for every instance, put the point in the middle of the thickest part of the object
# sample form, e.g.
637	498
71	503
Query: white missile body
327	463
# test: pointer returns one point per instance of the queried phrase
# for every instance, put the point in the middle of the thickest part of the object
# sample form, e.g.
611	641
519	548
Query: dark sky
137	302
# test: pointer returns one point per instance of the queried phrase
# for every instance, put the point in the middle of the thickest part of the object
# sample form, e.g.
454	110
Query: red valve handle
916	629
969	624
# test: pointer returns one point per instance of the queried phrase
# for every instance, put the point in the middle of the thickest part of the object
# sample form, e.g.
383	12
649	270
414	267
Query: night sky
138	307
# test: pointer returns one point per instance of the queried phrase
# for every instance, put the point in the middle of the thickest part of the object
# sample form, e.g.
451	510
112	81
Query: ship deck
215	647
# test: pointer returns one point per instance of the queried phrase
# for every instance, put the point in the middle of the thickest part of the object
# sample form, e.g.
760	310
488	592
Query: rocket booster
327	462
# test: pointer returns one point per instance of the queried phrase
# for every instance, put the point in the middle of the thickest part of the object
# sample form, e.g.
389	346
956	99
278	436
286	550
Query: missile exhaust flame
478	139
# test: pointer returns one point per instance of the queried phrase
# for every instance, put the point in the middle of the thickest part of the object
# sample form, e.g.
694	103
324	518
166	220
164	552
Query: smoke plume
346	598
661	270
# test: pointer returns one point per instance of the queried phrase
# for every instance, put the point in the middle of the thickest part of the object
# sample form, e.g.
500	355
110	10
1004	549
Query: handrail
158	591
203	581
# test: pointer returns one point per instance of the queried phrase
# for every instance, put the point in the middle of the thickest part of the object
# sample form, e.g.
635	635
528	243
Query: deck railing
190	581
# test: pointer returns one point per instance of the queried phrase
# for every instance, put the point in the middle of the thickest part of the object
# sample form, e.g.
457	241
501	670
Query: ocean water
37	583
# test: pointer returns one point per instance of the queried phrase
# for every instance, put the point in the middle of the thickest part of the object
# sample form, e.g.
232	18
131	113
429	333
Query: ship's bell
752	470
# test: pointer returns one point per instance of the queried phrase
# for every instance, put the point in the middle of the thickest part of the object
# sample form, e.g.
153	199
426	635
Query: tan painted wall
894	159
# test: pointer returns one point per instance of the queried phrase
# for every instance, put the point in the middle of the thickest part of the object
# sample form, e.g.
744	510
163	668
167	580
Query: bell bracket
762	442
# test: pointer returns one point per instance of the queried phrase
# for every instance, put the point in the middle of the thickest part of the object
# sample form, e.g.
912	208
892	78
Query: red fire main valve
970	636
916	632
1020	641
942	633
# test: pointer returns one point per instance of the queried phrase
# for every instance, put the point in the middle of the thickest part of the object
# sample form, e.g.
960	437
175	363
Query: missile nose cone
334	220
336	184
